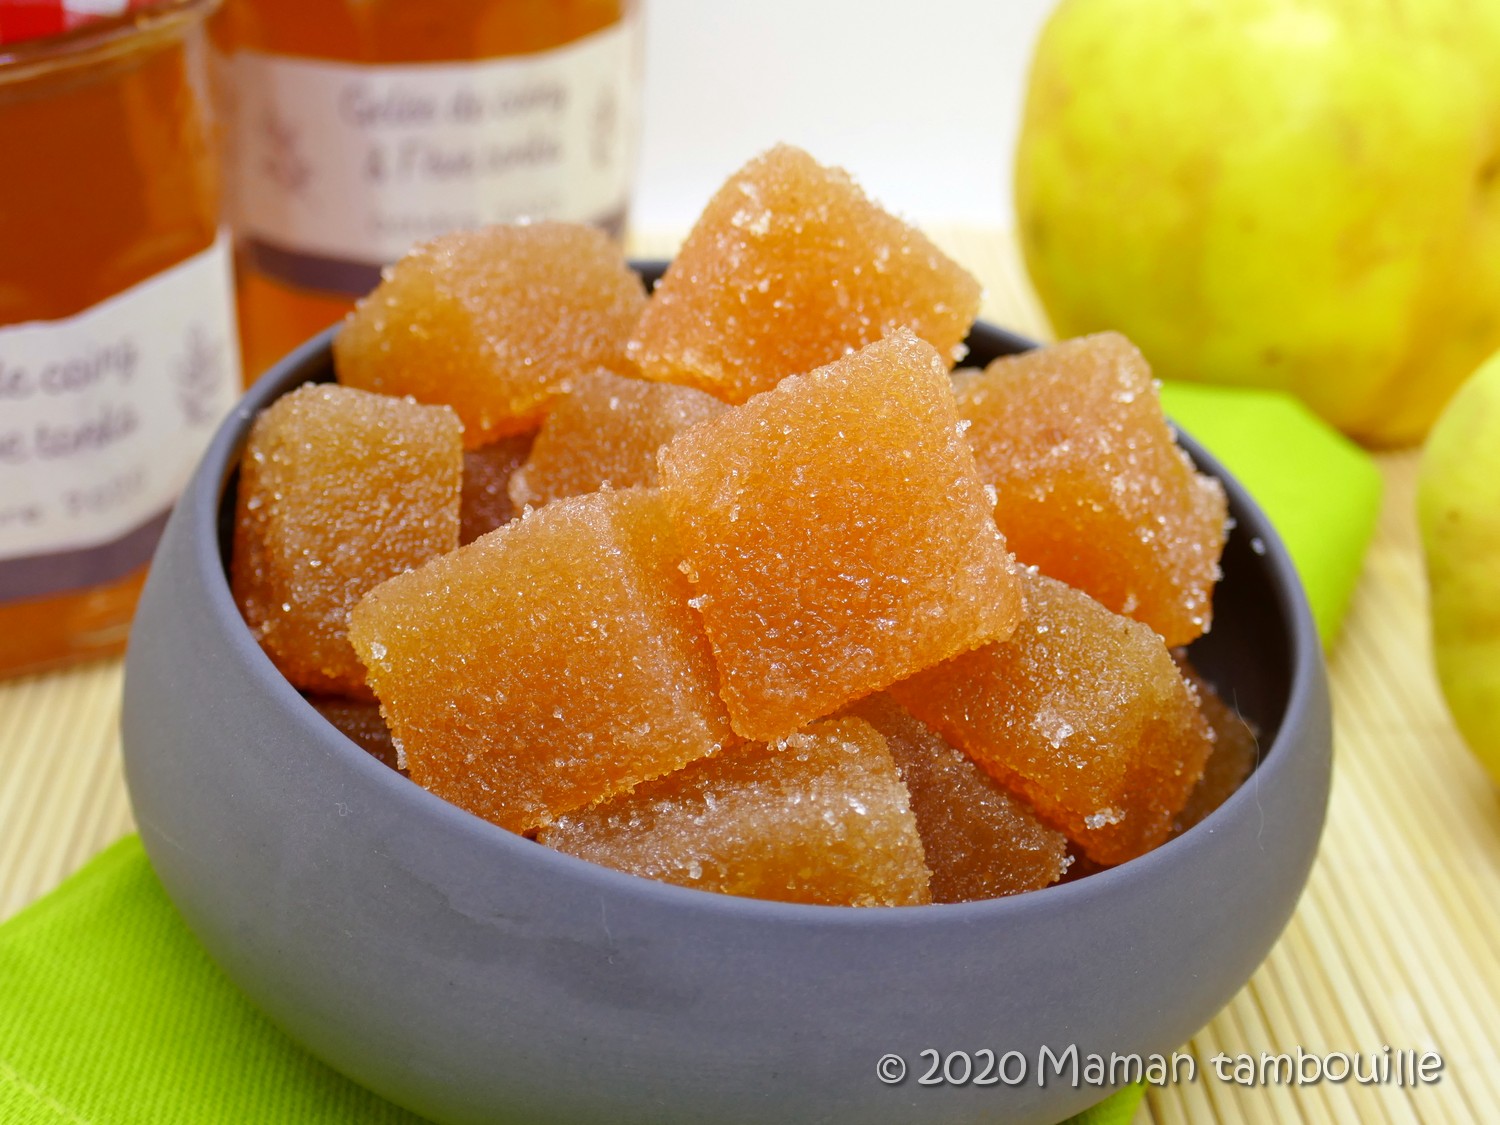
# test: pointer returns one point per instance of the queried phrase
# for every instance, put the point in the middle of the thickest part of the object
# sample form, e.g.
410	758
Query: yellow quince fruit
1458	508
1293	194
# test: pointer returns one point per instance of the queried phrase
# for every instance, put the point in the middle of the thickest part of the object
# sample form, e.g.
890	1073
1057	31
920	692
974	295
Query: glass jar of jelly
118	352
359	127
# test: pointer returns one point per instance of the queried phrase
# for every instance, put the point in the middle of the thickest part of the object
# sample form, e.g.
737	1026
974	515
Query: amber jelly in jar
360	127
118	353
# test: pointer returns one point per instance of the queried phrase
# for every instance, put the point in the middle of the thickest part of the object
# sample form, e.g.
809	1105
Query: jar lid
32	19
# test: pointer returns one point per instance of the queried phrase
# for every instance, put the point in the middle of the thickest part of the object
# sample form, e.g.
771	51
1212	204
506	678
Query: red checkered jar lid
32	19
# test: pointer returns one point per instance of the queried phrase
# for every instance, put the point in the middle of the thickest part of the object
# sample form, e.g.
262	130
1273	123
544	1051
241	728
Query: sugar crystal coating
963	376
547	665
789	267
981	841
605	430
1080	866
837	536
820	818
1233	758
492	321
1091	486
485	503
1082	712
339	490
360	721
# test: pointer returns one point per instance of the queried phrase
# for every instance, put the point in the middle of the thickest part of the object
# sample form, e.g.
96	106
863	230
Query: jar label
341	167
102	417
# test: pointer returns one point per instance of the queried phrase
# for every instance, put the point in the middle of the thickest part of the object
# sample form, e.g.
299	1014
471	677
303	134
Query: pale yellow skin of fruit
1458	506
1296	194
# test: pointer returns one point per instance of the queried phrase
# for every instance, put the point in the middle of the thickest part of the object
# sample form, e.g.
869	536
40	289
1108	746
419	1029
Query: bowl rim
204	498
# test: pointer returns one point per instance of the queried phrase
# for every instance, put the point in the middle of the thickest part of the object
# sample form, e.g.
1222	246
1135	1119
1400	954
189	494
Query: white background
919	99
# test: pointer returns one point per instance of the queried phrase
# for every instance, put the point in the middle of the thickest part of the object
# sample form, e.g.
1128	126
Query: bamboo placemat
1396	942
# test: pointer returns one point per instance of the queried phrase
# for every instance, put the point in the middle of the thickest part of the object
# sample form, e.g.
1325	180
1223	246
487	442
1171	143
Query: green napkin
1321	491
111	1013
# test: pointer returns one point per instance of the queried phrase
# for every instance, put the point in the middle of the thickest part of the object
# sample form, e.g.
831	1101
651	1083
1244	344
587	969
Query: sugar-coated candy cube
789	267
605	430
1091	487
837	536
485	503
981	841
1082	712
819	818
339	490
360	721
548	665
491	322
961	377
1233	758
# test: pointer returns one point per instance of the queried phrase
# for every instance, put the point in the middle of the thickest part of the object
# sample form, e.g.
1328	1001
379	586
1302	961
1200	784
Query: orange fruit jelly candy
492	321
485	503
1082	712
980	840
339	490
360	721
547	665
789	267
606	429
820	818
837	536
1233	758
1091	487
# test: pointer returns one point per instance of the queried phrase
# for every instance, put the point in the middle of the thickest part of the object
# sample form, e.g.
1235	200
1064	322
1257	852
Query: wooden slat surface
1397	941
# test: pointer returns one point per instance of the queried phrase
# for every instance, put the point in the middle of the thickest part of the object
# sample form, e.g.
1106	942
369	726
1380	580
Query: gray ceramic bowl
471	975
